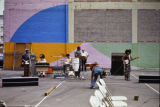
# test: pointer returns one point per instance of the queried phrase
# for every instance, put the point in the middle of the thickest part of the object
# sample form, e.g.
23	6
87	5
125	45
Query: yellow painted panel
53	51
8	61
72	46
9	47
8	55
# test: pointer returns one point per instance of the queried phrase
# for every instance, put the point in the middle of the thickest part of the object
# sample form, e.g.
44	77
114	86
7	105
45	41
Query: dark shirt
78	53
25	57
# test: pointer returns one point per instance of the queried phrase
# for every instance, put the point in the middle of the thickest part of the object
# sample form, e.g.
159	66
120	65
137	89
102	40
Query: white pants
75	66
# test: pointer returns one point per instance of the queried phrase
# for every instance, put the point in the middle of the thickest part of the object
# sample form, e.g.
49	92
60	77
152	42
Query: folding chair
107	92
101	98
94	101
110	101
91	101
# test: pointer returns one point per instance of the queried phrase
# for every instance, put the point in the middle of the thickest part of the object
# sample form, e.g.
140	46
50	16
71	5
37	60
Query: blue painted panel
49	25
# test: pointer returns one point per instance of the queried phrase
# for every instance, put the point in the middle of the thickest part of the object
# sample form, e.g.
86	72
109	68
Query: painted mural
101	52
45	26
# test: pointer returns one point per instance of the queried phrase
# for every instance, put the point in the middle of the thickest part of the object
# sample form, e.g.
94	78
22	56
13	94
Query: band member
42	60
97	70
75	65
25	57
25	62
126	61
2	103
67	63
78	54
84	55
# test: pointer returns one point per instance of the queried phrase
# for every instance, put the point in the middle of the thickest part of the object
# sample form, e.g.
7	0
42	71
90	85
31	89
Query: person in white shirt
75	65
42	60
84	55
67	63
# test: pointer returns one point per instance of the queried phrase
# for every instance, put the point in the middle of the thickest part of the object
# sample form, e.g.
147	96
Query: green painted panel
149	53
109	48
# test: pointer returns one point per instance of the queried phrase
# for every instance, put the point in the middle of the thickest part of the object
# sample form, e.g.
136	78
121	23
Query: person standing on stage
67	63
42	60
126	61
75	65
78	54
25	57
84	55
25	62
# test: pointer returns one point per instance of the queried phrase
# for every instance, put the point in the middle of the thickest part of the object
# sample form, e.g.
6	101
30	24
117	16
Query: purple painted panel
94	55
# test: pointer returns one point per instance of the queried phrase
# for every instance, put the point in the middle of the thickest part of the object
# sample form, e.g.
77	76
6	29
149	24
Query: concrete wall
115	0
148	25
1	29
103	25
26	21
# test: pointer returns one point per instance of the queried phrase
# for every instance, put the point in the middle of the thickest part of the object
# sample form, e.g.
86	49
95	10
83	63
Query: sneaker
92	87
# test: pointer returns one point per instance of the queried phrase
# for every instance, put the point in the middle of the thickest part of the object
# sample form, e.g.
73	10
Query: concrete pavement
76	93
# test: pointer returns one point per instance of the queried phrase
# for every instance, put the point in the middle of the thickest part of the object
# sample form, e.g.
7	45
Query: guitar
127	61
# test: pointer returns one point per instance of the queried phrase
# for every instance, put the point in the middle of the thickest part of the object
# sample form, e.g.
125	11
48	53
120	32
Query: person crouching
96	71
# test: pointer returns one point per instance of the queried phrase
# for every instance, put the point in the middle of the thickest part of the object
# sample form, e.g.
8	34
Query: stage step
20	81
149	79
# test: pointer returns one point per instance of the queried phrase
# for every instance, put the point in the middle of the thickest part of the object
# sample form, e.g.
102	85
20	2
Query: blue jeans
95	78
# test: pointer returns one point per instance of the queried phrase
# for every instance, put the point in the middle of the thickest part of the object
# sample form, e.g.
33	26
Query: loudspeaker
117	67
149	79
20	81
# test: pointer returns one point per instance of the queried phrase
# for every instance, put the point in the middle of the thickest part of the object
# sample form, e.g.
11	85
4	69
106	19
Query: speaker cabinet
20	81
117	67
149	79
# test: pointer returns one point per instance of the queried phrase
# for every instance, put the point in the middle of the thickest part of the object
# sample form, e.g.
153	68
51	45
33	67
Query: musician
78	54
97	70
25	57
75	65
67	62
84	55
126	61
25	62
42	60
2	103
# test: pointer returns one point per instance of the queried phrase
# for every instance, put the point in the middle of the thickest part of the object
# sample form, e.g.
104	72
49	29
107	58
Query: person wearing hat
96	71
25	62
25	57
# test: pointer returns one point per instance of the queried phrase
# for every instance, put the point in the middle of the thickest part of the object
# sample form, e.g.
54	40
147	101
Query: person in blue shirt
96	71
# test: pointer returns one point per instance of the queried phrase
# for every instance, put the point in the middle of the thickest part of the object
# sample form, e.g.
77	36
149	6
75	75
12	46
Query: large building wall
116	0
103	25
148	25
35	21
42	26
29	22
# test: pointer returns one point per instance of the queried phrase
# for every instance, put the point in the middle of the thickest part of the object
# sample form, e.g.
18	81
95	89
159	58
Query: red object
50	70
